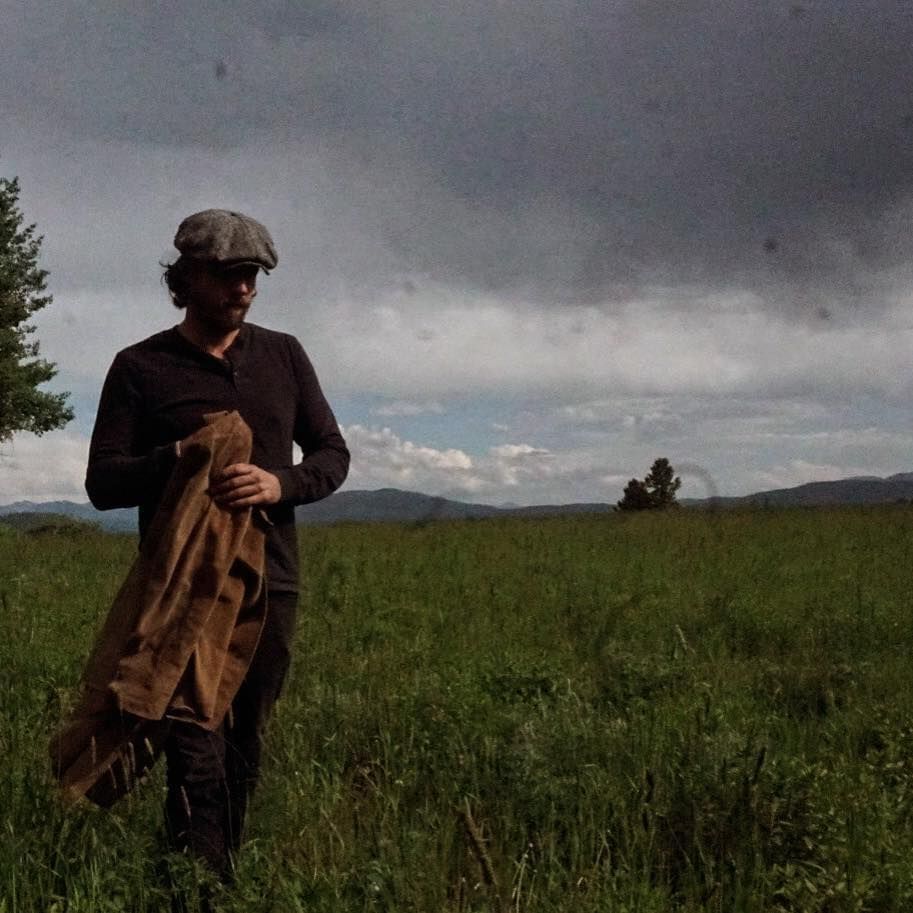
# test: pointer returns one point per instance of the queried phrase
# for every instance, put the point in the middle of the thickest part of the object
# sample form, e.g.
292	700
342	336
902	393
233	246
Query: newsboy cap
226	238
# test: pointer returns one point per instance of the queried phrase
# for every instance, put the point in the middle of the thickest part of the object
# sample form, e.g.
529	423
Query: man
155	395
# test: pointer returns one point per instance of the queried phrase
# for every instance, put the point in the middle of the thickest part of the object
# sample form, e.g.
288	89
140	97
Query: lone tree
655	492
662	483
23	407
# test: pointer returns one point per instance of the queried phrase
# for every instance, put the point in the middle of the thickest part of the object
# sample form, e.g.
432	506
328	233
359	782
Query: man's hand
244	485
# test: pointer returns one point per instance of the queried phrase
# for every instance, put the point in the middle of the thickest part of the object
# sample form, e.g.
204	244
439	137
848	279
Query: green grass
689	711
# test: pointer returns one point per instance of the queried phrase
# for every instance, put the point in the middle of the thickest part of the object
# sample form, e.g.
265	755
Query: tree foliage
662	483
636	497
655	492
23	407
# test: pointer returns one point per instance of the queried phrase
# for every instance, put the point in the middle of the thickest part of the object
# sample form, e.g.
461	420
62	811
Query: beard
221	317
233	315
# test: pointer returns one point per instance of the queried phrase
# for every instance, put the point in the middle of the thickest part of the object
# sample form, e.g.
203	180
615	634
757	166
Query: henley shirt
157	392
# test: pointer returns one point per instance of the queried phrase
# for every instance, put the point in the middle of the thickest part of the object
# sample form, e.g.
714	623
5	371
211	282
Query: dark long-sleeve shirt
158	391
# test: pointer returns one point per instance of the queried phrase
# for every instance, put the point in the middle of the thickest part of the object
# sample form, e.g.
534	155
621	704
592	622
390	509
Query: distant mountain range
117	521
383	505
394	505
857	490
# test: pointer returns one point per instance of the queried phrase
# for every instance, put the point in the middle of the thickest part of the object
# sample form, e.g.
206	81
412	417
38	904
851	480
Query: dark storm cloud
563	150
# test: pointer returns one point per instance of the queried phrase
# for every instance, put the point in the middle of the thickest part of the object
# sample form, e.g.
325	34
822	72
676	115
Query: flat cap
226	238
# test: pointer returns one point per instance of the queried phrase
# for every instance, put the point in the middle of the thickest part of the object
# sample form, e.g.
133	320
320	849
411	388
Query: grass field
691	711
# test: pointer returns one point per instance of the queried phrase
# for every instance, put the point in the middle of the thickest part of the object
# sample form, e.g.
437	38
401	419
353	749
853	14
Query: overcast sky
529	246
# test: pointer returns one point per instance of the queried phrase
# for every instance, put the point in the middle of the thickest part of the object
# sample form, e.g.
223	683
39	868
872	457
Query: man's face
218	299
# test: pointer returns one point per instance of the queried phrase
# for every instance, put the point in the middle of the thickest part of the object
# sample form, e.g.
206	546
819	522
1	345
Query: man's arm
119	475
325	461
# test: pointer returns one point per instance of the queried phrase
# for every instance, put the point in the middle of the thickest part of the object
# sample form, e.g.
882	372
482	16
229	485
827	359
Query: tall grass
636	713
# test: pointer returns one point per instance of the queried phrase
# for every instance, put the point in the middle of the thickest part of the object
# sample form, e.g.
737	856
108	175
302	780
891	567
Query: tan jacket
181	632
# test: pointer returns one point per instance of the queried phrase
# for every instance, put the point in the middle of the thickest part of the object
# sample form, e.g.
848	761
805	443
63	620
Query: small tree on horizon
636	497
655	492
23	407
662	483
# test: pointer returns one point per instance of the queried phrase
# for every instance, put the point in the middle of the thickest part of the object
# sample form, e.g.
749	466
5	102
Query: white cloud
518	472
381	458
839	437
82	331
518	452
47	468
402	407
512	464
444	342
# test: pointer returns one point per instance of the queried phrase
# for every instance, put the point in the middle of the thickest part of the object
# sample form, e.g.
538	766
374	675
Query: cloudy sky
529	246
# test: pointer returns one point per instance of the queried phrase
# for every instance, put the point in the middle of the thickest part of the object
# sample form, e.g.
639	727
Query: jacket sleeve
325	462
120	474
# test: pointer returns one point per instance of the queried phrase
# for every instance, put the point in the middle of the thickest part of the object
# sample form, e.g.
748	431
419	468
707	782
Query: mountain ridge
398	505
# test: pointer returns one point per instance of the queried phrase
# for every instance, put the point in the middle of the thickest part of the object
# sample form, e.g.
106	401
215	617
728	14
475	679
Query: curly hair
174	276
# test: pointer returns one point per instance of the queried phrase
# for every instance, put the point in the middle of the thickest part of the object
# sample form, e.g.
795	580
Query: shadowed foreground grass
635	713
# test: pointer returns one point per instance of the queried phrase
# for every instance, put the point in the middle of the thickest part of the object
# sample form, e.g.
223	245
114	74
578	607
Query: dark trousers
211	775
